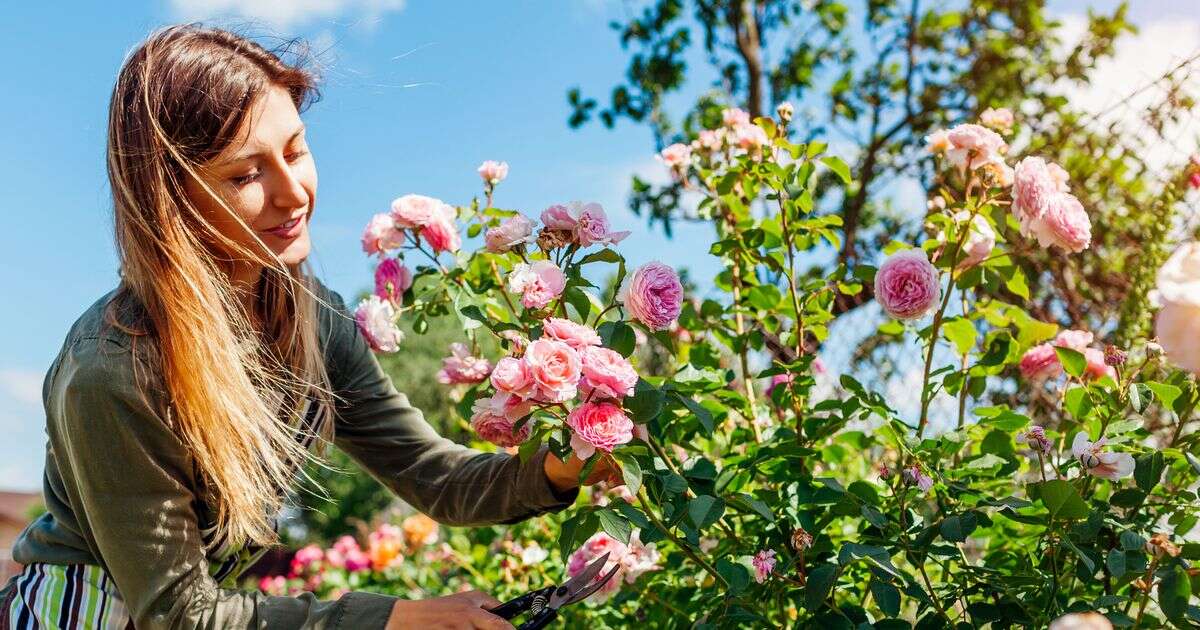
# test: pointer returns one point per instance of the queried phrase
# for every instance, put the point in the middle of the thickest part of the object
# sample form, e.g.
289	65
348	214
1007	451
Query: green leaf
1116	563
604	255
702	413
1072	361
618	336
646	402
820	582
1166	393
579	300
631	470
1173	593
956	528
1132	541
705	510
839	167
960	332
735	574
1084	559
1076	402
886	596
615	525
1139	397
1149	470
1017	284
1062	499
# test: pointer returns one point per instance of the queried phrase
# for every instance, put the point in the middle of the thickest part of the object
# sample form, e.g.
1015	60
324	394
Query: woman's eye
296	155
244	179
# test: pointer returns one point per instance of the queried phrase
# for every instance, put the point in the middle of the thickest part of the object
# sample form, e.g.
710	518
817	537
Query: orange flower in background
419	530
385	547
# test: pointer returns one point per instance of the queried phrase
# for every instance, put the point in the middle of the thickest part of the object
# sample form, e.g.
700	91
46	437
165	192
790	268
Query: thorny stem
646	507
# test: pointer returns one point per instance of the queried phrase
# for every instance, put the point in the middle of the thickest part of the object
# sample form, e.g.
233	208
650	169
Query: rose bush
1055	475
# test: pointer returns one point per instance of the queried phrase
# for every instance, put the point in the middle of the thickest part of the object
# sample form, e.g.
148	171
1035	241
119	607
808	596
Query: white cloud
24	386
284	14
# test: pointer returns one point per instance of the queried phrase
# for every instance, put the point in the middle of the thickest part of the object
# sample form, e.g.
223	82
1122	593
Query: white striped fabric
74	596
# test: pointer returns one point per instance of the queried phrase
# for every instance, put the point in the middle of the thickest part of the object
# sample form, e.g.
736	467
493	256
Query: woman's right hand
464	611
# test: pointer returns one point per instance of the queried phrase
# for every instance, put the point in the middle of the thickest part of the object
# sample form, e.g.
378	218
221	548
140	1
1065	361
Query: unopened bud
785	111
1153	349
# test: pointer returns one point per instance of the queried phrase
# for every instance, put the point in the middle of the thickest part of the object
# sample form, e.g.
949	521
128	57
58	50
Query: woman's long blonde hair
236	396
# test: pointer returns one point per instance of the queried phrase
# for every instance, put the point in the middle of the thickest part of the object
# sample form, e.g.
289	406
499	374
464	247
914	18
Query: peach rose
555	369
575	335
606	374
511	375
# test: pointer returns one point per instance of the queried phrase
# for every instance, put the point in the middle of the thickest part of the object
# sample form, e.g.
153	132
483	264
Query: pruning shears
541	606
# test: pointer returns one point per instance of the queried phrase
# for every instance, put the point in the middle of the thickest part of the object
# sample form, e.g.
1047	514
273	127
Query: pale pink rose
1040	363
463	367
392	279
1175	326
709	140
980	240
606	374
538	283
938	141
914	476
555	369
381	235
558	217
493	419
440	232
1036	438
764	565
1035	182
591	227
376	321
653	295
493	172
999	119
631	561
1064	223
676	157
511	375
414	211
980	143
575	335
907	285
511	232
601	425
1096	367
749	137
1178	279
1099	463
733	116
1077	340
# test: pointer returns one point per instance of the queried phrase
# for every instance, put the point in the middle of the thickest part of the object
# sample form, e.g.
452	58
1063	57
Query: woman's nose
290	192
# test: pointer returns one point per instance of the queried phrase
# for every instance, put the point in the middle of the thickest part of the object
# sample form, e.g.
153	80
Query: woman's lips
287	230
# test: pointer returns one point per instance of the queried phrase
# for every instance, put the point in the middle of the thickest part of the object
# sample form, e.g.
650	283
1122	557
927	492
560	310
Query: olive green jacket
123	492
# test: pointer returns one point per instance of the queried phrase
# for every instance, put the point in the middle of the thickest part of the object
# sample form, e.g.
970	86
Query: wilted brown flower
1160	545
801	540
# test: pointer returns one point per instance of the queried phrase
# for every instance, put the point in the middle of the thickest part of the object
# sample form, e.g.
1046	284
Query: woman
184	402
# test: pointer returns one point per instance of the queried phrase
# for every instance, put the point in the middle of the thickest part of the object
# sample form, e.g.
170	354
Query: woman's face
269	179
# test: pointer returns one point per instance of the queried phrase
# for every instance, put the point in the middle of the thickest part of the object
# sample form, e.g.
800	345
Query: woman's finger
481	600
484	620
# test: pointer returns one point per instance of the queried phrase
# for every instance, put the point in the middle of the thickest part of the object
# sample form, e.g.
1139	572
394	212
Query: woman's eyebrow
250	154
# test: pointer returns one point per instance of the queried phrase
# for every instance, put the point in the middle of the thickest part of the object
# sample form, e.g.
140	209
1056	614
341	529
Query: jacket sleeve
131	486
453	484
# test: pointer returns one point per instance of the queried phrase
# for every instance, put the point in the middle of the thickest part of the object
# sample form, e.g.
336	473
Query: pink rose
733	116
414	211
575	335
606	374
907	285
914	476
555	369
980	143
511	375
1035	183
999	119
376	321
1178	280
631	561
440	232
306	558
493	172
709	140
764	565
493	419
381	235
511	232
538	283
600	426
462	367
392	279
749	137
591	227
1176	325
676	157
349	555
273	585
1064	223
558	217
1096	367
979	242
1077	340
653	295
1099	463
1040	363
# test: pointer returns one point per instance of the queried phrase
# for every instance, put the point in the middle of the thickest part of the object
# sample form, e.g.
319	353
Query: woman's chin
296	251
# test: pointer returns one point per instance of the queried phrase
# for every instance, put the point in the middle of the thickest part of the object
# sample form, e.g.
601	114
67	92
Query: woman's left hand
565	475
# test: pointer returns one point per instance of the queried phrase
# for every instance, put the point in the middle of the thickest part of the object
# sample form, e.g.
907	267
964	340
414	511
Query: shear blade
588	590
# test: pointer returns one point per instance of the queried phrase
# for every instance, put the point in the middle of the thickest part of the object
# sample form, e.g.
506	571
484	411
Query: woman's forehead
273	122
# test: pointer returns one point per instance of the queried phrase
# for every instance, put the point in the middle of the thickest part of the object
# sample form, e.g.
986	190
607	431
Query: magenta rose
440	232
907	285
493	419
1064	223
392	279
606	374
555	369
653	295
538	283
414	211
598	426
575	335
1040	363
511	375
511	232
381	235
461	367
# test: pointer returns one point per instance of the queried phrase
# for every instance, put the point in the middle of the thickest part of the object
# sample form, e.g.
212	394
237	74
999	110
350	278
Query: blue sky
416	95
